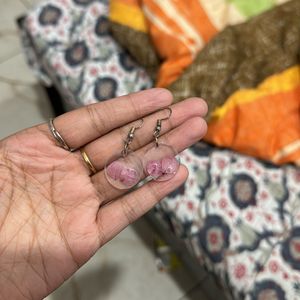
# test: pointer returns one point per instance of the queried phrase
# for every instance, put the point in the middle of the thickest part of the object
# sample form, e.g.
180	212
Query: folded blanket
241	218
249	75
179	29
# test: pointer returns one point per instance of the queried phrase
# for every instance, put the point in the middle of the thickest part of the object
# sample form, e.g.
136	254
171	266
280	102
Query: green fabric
251	8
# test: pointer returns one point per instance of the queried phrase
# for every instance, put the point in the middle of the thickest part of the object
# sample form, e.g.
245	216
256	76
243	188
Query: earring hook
141	124
170	113
157	130
130	137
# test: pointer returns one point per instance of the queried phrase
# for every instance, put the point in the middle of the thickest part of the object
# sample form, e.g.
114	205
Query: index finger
90	122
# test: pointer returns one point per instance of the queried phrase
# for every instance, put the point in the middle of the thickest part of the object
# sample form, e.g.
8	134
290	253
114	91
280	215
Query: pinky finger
116	215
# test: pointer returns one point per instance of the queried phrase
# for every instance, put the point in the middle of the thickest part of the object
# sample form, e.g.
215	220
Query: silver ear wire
157	129
170	113
141	124
130	137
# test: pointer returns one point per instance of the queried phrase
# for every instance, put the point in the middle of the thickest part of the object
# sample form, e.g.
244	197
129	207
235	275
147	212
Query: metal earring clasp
156	132
125	170
130	137
161	162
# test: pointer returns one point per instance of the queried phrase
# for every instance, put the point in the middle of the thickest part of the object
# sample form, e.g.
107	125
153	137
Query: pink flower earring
125	171
160	162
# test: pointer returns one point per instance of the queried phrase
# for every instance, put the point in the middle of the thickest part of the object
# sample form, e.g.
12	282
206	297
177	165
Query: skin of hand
53	215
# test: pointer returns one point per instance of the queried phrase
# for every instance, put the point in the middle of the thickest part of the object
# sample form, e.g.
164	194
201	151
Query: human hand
53	215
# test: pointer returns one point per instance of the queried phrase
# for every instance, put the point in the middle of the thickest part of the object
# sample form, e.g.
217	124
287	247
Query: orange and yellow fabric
268	118
179	29
248	73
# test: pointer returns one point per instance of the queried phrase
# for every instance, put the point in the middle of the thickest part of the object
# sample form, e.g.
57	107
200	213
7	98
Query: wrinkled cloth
249	75
139	45
68	44
240	217
180	29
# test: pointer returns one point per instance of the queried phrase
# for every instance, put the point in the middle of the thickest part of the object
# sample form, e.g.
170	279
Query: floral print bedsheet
68	44
241	218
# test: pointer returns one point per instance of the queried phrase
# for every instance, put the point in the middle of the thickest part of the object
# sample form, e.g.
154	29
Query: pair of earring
159	163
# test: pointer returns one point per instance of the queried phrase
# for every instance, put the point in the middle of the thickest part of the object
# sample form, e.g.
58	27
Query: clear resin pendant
161	162
124	172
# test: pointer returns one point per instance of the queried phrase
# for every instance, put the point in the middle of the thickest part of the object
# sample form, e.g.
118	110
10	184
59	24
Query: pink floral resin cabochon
124	173
160	162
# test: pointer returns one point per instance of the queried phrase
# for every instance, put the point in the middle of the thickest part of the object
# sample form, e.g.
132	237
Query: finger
112	143
115	216
85	124
180	138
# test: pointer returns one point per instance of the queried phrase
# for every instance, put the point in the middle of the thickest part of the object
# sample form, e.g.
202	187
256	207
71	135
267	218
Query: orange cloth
180	28
263	121
268	118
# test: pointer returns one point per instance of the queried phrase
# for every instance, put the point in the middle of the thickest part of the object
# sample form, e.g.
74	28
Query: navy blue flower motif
268	289
49	15
83	2
126	61
290	249
102	26
214	238
77	54
105	88
243	190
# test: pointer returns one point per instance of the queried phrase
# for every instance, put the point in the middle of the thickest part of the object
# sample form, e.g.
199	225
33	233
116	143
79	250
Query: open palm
53	215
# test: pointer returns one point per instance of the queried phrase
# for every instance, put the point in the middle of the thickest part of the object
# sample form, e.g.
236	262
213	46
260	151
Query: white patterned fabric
69	45
241	218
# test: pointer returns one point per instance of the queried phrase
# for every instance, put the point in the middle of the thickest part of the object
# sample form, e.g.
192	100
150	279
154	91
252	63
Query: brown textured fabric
242	56
139	45
239	57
